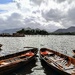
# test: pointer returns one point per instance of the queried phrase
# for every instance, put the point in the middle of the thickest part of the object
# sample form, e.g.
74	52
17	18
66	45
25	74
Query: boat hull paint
52	67
14	66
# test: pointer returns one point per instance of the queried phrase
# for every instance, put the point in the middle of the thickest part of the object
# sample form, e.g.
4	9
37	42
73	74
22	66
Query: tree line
42	32
33	32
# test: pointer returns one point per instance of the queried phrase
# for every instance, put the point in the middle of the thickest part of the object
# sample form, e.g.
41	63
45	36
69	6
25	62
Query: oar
29	47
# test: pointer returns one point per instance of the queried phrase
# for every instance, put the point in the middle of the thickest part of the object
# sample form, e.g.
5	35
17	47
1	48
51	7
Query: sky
44	14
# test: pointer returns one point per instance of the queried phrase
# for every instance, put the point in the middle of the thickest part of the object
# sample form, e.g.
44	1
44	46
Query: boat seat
23	57
63	62
8	60
58	65
70	67
4	63
15	59
56	56
60	59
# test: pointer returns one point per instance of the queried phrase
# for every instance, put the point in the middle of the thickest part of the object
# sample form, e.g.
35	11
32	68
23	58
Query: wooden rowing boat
11	62
63	64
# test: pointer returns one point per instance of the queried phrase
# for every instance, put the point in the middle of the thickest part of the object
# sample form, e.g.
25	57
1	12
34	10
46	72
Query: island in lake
21	32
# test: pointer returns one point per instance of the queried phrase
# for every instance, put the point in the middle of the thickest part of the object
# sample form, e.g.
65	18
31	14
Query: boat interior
59	60
16	58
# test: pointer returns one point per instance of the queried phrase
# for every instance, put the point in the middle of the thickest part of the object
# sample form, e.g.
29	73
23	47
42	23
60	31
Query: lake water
64	44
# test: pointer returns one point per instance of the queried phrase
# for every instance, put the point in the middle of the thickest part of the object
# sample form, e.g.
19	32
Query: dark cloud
62	1
2	23
16	21
69	19
13	21
71	14
18	5
38	2
15	16
59	1
53	15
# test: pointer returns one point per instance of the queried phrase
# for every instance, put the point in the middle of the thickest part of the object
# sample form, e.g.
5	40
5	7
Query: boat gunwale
59	54
18	53
13	65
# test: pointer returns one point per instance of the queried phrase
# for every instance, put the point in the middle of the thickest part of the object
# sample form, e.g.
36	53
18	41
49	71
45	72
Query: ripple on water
63	44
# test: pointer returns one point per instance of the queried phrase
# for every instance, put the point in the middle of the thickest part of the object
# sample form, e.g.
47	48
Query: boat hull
54	68
14	66
48	56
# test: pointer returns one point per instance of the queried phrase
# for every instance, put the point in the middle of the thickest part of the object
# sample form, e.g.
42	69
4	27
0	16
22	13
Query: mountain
70	29
10	31
0	31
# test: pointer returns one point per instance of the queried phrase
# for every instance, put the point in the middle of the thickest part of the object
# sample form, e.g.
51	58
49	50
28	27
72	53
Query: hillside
26	31
70	29
10	31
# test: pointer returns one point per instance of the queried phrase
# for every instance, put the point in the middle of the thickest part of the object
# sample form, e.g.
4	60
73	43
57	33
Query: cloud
9	7
62	1
59	1
69	19
71	14
13	21
18	5
43	14
15	16
53	15
64	16
38	2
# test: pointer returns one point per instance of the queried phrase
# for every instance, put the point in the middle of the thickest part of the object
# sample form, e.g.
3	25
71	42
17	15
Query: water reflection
35	67
38	70
25	70
48	70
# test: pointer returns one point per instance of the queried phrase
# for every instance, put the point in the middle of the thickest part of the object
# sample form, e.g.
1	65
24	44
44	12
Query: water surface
64	44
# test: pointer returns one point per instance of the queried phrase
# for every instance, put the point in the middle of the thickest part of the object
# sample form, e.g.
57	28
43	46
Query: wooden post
0	46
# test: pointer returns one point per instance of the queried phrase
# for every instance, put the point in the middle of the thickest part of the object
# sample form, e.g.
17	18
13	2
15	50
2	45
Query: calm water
63	44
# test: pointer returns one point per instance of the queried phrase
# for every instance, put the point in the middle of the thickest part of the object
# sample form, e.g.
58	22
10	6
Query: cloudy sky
43	14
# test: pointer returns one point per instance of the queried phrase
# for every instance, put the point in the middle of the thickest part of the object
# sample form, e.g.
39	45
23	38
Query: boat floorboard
60	63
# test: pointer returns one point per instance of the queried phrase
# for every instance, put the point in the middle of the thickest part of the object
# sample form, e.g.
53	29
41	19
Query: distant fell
27	30
70	29
10	31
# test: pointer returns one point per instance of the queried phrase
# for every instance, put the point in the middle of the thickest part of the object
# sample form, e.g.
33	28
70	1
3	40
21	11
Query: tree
21	31
33	32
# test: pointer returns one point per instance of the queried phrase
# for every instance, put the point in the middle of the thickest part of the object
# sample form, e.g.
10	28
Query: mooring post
0	46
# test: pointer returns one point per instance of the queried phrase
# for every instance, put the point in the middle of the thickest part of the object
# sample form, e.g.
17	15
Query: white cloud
9	7
44	14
